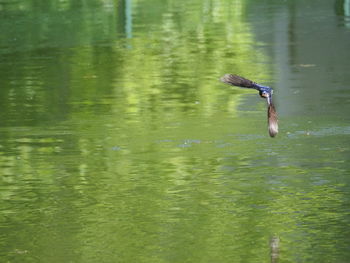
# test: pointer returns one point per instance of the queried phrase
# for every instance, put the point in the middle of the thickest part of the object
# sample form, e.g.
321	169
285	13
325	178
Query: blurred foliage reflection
118	143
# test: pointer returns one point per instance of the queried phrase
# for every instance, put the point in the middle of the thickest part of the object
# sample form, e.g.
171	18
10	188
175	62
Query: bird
264	92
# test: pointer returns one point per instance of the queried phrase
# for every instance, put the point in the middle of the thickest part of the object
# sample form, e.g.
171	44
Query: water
119	144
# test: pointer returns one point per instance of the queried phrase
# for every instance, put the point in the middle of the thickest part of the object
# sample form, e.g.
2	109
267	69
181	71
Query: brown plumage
238	81
272	120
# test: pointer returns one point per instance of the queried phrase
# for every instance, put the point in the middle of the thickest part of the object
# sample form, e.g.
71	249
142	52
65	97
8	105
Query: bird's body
264	92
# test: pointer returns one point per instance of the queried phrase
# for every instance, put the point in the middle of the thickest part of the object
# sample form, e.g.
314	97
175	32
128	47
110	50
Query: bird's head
266	93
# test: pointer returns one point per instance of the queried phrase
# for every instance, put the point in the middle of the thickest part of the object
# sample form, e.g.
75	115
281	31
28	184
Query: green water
119	144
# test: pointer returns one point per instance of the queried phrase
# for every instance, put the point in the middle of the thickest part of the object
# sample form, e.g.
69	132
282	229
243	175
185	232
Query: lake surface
119	144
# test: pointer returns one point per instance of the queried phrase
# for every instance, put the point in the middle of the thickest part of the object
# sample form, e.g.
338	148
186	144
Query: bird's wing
272	120
238	81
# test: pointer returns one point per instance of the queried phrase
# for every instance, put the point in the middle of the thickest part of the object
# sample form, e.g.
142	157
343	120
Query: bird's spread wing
272	120
239	81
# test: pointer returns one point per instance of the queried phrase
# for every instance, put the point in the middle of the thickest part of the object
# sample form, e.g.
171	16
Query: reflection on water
119	144
343	11
275	246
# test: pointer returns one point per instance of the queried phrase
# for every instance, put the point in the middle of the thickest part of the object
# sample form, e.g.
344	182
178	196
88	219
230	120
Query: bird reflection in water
274	246
264	92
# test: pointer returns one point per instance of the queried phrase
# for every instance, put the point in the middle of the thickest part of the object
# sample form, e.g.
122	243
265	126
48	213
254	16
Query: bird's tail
272	120
238	81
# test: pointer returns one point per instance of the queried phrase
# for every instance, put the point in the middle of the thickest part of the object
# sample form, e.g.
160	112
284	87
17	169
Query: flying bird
264	92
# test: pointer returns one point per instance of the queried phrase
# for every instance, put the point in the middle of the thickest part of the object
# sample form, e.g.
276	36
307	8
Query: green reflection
118	143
